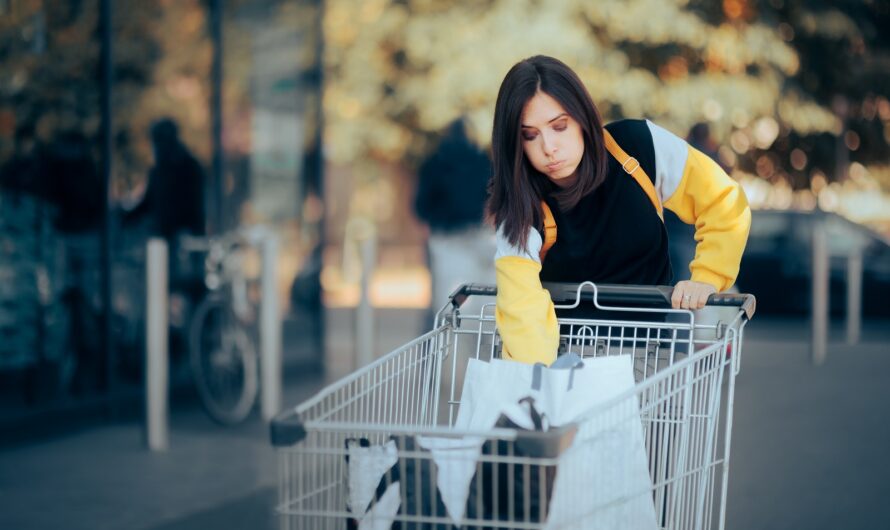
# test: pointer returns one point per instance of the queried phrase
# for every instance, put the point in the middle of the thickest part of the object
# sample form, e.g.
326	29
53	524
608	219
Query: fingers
690	298
677	297
691	295
682	297
701	300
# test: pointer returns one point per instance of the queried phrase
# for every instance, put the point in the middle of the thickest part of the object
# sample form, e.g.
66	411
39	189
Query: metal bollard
820	294
270	329
364	312
156	361
854	296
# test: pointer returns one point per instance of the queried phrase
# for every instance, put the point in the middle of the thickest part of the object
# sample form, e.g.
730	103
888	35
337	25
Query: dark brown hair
516	187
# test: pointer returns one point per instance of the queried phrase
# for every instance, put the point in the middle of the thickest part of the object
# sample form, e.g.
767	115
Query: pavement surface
809	448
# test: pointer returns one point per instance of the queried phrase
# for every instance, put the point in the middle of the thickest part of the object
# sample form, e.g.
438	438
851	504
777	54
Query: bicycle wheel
224	362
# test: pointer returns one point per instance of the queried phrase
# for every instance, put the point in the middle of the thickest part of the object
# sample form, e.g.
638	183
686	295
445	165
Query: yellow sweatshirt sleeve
707	197
524	312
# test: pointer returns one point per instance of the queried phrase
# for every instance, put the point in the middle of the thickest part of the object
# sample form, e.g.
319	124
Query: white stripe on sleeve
506	249
671	153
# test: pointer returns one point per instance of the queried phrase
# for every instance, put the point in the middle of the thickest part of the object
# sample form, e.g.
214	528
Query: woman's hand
691	295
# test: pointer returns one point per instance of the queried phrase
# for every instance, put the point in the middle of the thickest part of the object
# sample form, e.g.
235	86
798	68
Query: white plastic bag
366	466
603	479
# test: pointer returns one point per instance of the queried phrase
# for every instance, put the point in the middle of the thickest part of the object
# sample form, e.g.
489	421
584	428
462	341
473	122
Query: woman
552	156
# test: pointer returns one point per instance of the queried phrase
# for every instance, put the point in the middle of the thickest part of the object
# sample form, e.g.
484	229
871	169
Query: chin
563	173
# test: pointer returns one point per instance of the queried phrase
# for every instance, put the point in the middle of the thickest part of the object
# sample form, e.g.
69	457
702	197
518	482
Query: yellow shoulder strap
633	168
549	230
630	165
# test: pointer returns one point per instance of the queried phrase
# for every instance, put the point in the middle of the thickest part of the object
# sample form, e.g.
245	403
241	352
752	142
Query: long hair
517	188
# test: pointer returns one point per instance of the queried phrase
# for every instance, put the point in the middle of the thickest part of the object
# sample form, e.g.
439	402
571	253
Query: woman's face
551	139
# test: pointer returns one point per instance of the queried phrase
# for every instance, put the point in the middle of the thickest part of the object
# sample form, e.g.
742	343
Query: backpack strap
549	230
630	165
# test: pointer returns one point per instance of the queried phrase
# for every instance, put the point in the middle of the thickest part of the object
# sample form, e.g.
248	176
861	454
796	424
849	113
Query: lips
555	165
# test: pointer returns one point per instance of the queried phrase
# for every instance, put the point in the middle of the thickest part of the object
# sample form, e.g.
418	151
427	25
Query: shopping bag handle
610	294
570	361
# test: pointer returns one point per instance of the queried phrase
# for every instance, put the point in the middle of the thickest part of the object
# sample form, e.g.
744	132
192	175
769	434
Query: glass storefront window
51	186
50	206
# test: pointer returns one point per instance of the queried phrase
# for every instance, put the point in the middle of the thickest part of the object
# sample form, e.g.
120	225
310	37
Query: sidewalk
809	449
211	476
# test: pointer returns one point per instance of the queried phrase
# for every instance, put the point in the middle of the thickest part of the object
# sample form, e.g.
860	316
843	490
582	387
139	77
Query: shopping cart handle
460	295
746	302
640	295
287	429
612	295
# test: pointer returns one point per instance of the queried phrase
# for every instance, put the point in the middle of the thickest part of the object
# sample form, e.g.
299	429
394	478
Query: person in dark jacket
21	172
72	182
174	197
173	205
450	199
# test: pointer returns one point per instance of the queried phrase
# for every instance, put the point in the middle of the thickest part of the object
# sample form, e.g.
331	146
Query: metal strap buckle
633	161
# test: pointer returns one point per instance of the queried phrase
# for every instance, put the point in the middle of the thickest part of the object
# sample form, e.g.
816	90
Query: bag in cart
602	481
409	469
430	467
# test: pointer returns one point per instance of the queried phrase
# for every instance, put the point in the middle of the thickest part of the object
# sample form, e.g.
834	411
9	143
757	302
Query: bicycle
222	350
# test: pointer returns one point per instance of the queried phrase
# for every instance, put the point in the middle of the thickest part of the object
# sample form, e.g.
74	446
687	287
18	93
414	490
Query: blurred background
356	133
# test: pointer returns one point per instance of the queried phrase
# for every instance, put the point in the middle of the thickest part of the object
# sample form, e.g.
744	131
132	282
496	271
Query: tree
767	78
397	69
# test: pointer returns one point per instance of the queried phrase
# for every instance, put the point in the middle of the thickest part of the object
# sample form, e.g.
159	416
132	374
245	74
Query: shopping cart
684	371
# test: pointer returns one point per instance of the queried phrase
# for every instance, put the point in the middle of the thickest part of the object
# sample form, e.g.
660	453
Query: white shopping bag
487	393
603	481
561	394
366	466
455	460
383	513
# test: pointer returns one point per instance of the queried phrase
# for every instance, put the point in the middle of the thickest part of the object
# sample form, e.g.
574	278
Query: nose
548	145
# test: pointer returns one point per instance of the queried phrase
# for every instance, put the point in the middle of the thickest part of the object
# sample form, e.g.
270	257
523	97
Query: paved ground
810	444
103	478
809	448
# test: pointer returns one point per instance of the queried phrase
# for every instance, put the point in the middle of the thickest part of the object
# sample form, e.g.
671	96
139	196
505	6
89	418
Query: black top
613	235
174	200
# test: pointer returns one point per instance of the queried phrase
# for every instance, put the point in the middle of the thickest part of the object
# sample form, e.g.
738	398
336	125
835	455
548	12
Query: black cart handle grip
460	295
286	429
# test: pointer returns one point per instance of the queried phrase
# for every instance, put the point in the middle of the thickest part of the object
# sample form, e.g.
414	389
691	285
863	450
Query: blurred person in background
450	199
173	202
173	206
556	164
70	180
21	172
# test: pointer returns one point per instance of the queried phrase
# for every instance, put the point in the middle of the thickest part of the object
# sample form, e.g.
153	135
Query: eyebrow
551	121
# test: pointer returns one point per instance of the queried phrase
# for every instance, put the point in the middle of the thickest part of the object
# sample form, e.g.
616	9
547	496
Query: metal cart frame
685	383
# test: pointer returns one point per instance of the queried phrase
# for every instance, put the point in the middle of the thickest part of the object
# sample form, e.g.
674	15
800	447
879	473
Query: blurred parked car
778	262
